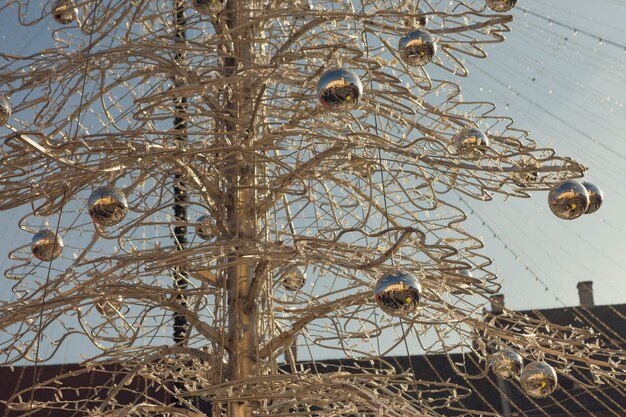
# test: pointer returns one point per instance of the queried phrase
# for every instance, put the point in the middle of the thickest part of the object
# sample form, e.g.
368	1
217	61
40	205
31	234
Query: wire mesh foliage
345	197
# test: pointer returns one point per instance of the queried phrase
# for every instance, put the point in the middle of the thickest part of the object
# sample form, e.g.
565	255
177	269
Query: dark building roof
570	399
487	392
609	320
83	384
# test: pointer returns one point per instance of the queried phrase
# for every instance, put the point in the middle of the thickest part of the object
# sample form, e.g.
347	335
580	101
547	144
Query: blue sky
561	76
567	88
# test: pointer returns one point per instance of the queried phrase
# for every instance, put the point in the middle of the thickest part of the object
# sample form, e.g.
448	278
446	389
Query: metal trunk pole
240	207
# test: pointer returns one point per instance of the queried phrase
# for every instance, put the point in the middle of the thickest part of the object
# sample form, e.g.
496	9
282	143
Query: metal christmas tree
278	177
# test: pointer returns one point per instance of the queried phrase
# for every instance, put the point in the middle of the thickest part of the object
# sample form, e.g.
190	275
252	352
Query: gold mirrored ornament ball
339	90
596	196
46	245
507	364
538	379
501	5
208	7
64	11
293	278
470	141
205	228
5	110
568	200
109	306
417	48
107	206
398	293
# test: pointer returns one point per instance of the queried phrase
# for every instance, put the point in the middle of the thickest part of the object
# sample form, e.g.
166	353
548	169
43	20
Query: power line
575	29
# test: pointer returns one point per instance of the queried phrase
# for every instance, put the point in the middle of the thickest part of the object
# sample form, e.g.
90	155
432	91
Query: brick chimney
497	303
585	293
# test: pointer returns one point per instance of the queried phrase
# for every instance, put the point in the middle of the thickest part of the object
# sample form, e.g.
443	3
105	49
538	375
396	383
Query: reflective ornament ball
109	306
538	379
208	7
46	245
107	206
501	5
507	364
417	48
595	197
293	279
398	294
568	199
470	139
339	90
205	228
64	11
5	110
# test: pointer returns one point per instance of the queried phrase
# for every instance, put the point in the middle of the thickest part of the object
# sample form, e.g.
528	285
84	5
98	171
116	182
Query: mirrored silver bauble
596	196
5	110
107	206
205	228
209	7
417	48
538	379
46	245
501	5
339	90
470	140
293	278
64	11
507	364
398	293
568	199
109	306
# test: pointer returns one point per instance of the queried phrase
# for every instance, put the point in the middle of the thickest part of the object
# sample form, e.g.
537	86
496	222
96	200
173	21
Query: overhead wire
568	26
492	75
486	223
583	133
599	154
57	229
585	17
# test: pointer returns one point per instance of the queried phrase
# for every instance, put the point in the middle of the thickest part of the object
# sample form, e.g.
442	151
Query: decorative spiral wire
345	197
